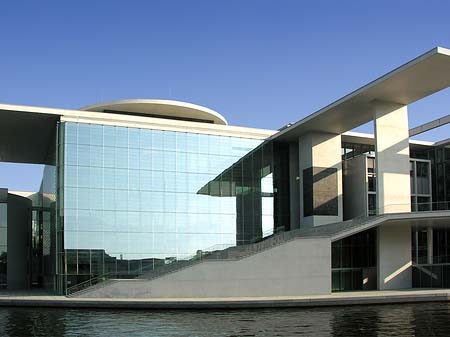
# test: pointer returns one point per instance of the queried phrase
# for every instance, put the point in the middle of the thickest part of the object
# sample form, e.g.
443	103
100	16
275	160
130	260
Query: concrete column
430	245
392	157
355	186
19	232
394	257
320	171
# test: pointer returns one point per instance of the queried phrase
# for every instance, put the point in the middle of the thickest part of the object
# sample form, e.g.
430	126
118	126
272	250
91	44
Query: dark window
372	183
354	261
372	199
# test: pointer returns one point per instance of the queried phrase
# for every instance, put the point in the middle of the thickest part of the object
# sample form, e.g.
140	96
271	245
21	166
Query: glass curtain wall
47	227
3	244
131	198
420	177
440	174
354	262
440	159
259	181
431	265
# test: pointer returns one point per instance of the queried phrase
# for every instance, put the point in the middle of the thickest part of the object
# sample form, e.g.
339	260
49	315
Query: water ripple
430	319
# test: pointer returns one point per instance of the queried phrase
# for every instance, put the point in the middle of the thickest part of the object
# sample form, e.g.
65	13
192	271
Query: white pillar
394	257
320	172
392	157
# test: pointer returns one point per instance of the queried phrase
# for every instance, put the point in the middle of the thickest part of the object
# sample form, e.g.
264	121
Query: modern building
158	198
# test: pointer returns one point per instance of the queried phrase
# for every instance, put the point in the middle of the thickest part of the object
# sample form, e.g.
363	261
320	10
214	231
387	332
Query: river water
429	319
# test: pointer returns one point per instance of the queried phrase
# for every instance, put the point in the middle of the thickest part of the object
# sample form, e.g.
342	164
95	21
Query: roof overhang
28	133
27	137
419	78
429	126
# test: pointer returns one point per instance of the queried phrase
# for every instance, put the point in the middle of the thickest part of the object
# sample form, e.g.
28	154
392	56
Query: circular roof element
160	108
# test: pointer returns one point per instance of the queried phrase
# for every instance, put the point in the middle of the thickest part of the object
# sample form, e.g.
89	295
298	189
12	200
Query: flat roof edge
138	121
387	76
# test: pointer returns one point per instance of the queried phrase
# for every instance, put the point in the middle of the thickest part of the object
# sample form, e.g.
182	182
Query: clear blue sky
259	63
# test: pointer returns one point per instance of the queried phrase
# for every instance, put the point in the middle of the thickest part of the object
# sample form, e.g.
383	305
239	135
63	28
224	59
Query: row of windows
95	262
153	201
122	137
95	156
165	182
146	221
135	179
147	244
157	223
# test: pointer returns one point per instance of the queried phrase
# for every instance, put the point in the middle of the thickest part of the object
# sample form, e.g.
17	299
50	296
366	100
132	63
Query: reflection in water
385	320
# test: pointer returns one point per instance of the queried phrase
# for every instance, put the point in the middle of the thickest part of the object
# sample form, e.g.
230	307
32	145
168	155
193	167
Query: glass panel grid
136	197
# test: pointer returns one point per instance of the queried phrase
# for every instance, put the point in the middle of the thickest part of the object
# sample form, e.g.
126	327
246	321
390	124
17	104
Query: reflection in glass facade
133	198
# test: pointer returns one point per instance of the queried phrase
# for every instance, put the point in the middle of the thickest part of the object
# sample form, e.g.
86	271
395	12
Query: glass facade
420	183
371	187
440	174
420	178
3	244
44	220
354	262
130	199
431	266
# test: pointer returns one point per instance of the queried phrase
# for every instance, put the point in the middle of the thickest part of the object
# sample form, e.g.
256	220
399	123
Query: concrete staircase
333	231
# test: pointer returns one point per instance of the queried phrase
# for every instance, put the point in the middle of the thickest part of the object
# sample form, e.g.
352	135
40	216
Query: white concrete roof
21	143
160	108
421	77
429	126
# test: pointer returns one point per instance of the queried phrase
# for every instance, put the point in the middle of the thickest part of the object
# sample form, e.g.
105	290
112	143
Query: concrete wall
392	158
320	150
297	267
355	187
394	257
19	227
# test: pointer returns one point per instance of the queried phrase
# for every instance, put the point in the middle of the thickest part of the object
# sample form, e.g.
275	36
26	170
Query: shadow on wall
320	191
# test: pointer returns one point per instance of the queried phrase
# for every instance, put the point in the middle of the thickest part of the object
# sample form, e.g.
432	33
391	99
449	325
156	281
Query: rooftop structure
159	108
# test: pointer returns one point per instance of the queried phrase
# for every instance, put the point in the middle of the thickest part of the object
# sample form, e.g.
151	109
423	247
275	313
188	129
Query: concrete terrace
30	299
